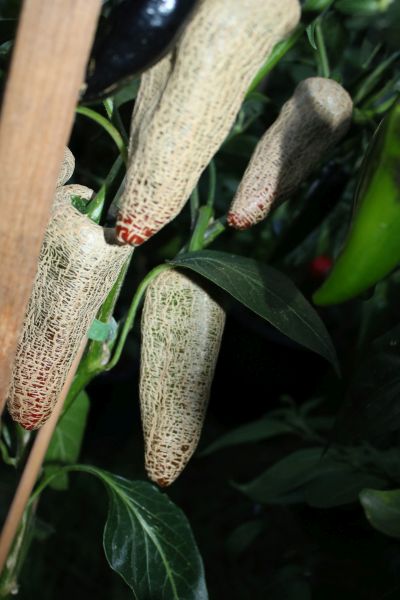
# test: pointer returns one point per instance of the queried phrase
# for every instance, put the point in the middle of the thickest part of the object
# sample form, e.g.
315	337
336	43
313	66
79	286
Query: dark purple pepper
138	33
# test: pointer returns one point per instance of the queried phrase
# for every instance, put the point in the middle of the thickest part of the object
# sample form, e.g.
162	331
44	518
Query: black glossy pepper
137	35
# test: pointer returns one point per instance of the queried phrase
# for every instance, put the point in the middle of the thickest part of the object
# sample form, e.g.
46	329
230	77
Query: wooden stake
52	46
32	468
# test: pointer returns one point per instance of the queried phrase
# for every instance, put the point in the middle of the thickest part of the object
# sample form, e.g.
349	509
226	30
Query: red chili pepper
320	266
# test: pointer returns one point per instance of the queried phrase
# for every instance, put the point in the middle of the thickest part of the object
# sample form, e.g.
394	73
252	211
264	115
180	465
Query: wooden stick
52	46
33	466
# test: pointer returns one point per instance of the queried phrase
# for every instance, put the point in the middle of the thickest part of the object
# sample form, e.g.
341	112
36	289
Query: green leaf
66	442
79	203
325	479
339	484
267	292
148	541
261	429
92	208
362	7
372	406
311	34
316	5
127	93
382	510
287	475
374	78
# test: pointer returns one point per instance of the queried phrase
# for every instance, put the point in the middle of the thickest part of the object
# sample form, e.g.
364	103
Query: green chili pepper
372	249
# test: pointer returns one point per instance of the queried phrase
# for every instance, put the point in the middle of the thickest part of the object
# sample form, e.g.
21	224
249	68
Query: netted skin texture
188	103
309	125
76	270
67	167
182	328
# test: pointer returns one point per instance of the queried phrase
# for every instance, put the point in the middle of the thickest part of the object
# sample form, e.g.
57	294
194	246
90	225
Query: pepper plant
298	459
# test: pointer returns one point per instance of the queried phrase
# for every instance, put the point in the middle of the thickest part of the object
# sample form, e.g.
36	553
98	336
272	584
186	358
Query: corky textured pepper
372	249
187	105
182	328
139	33
67	168
310	123
77	268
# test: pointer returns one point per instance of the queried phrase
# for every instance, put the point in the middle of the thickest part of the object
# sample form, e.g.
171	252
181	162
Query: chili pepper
182	328
67	167
372	249
77	268
138	34
310	123
320	266
187	105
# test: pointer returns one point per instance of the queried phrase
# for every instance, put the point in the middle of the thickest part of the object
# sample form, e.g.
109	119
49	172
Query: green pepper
138	33
372	249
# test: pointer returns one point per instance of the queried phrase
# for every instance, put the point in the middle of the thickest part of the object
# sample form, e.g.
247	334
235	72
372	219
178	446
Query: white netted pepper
182	327
310	124
188	103
77	268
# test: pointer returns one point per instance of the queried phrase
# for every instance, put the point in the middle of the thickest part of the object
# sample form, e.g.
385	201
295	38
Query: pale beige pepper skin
77	269
310	124
182	327
67	167
188	103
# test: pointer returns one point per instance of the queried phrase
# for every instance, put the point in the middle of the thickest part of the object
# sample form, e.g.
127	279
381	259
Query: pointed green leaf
267	292
339	484
311	35
261	429
283	477
362	7
148	541
382	510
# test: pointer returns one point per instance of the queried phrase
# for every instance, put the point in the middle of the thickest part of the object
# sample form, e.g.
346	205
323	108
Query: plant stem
324	68
197	239
214	230
130	319
119	124
114	116
108	127
212	184
276	55
194	206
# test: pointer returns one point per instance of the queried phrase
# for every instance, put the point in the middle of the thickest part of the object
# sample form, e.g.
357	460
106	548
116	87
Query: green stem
194	206
114	116
117	120
203	220
78	468
214	230
99	199
323	66
212	184
276	55
373	79
67	469
107	126
130	319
